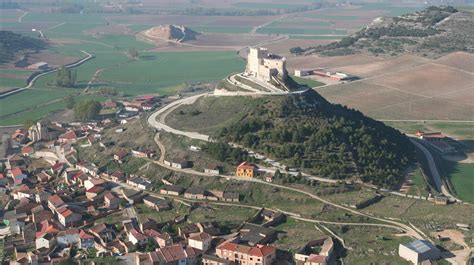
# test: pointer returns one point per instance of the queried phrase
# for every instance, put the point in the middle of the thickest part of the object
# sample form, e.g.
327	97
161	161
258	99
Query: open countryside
221	132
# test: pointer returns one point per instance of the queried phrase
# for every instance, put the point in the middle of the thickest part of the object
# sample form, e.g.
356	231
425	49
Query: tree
69	102
296	50
66	77
87	109
132	52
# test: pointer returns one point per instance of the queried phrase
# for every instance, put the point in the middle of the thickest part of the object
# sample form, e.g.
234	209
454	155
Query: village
56	203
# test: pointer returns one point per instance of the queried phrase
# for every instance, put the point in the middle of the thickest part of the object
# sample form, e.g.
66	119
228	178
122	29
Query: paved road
161	126
32	81
435	175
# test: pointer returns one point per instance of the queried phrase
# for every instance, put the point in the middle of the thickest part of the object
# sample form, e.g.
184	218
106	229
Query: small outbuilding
418	251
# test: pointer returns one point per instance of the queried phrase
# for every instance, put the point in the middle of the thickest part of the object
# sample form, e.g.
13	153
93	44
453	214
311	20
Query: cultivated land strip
153	121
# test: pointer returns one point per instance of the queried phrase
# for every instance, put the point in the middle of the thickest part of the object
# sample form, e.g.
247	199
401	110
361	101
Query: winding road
157	121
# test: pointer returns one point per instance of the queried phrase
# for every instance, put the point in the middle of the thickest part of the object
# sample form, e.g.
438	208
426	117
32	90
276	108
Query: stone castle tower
264	65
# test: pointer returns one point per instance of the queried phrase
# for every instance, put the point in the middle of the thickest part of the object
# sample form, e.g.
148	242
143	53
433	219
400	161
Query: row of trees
66	77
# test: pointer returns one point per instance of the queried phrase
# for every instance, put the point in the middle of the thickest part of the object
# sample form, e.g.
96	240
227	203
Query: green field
418	185
316	37
159	70
301	31
218	29
461	176
253	5
459	130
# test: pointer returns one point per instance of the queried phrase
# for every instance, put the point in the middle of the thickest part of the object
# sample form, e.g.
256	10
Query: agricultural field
461	175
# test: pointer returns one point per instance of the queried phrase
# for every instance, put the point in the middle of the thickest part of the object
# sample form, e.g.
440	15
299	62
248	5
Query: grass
296	234
218	29
466	8
306	81
315	37
461	175
371	245
253	5
159	70
418	183
301	31
461	130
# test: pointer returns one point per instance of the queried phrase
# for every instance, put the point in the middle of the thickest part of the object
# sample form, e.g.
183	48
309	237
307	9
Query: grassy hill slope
304	131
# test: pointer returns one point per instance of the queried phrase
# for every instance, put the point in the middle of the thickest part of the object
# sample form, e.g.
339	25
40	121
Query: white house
68	237
201	241
46	241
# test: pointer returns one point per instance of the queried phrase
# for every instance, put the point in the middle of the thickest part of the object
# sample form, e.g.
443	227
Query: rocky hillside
303	131
432	32
170	32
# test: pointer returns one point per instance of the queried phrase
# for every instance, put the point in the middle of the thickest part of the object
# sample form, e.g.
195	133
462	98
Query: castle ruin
263	65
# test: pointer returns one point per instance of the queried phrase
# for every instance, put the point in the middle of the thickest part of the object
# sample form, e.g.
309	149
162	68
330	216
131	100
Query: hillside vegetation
307	132
432	32
12	43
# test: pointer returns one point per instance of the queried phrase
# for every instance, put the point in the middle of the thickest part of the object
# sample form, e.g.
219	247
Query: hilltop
304	131
169	32
432	32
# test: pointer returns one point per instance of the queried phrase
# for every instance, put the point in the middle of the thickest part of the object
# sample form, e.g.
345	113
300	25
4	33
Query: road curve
159	124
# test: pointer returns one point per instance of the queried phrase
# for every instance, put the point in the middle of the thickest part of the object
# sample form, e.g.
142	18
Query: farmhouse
246	169
38	66
418	251
308	255
264	66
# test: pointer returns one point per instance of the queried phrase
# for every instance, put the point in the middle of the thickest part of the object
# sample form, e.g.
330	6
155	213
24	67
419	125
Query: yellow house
246	169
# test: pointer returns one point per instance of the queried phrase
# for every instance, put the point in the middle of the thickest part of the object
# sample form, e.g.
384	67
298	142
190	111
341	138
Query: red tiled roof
152	233
27	150
228	246
84	235
57	166
69	135
317	258
261	251
173	253
121	153
95	189
16	172
200	236
55	200
246	165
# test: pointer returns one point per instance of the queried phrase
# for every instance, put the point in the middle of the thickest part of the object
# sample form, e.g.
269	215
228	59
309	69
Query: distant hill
432	32
304	131
12	43
170	32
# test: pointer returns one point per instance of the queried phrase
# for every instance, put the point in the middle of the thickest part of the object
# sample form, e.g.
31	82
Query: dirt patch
110	29
314	61
53	59
460	60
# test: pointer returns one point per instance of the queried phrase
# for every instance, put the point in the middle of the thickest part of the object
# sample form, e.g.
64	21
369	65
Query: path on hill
152	120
